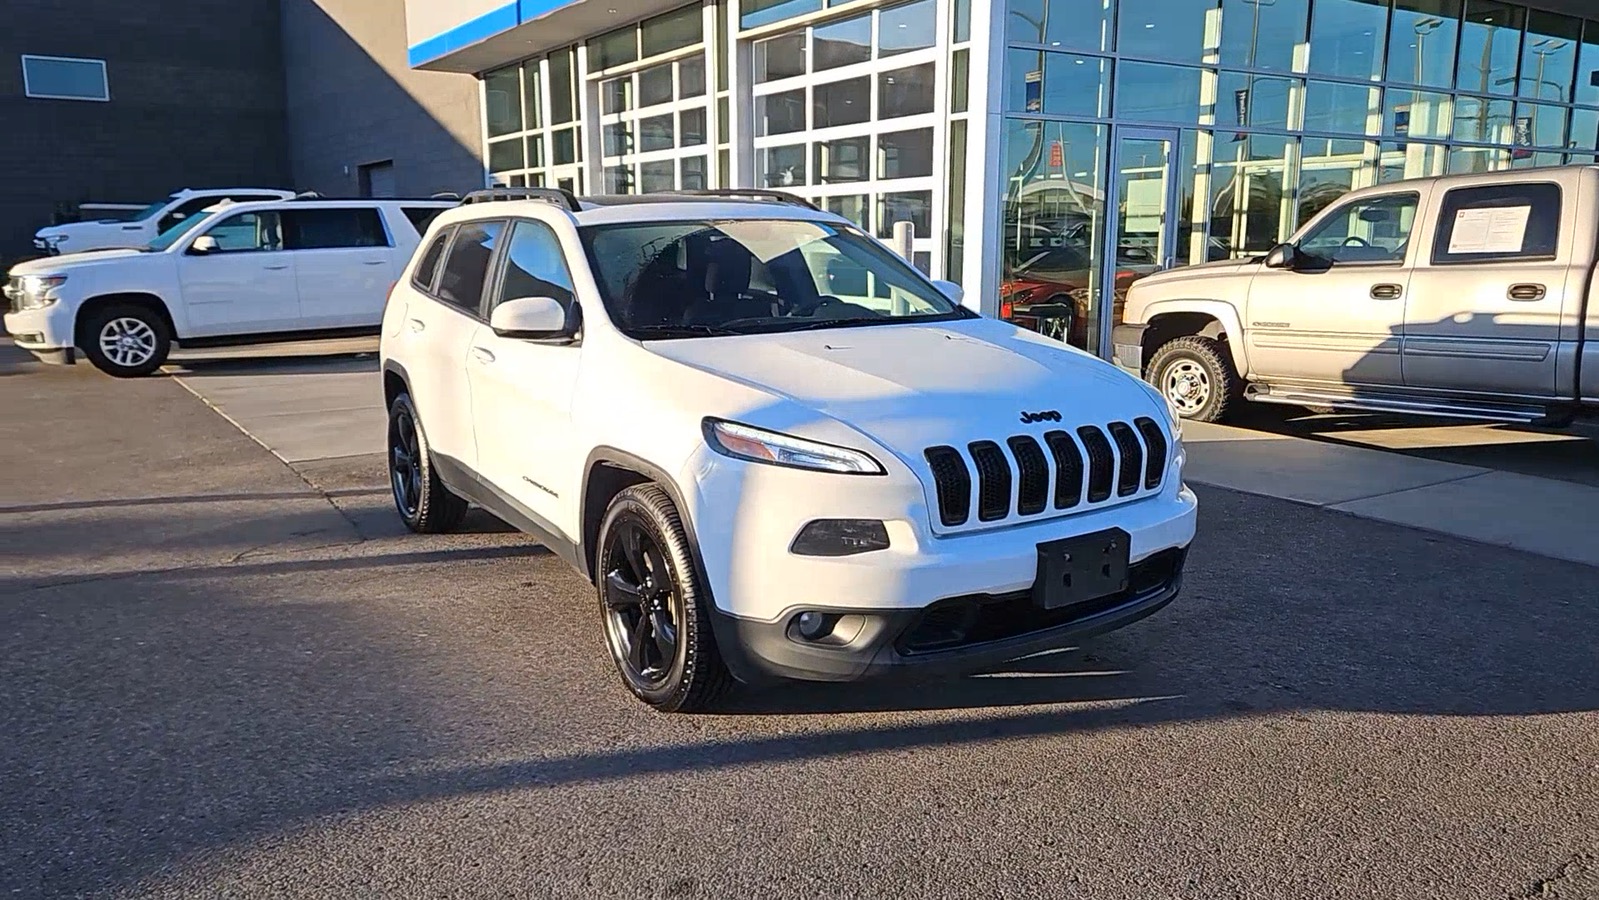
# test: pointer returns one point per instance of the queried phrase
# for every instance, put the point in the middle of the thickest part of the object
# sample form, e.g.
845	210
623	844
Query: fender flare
1225	313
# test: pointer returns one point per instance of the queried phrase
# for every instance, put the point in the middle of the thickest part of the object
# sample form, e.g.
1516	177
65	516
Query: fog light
812	625
840	537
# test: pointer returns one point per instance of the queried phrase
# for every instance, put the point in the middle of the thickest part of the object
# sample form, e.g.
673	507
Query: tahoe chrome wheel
128	342
405	463
642	604
1187	385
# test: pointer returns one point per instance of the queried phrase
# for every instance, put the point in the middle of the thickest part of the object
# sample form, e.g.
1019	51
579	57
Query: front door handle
418	325
1527	293
483	354
1387	291
374	262
276	266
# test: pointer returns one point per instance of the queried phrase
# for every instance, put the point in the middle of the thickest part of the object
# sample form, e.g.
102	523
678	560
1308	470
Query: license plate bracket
1083	568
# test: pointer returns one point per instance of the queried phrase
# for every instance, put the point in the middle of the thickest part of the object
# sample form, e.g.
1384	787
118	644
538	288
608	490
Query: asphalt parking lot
222	673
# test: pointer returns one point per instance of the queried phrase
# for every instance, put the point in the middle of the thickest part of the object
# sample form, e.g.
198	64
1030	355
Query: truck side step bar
1442	408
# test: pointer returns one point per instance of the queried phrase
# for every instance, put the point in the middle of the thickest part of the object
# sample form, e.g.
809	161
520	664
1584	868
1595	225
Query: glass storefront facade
1088	142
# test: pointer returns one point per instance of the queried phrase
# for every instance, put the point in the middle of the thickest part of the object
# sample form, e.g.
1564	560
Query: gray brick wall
197	99
353	99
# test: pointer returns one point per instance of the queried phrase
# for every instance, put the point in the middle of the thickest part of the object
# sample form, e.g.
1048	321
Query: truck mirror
1282	256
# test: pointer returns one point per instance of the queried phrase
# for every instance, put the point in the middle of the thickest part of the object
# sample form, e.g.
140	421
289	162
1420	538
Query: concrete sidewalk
308	409
1536	515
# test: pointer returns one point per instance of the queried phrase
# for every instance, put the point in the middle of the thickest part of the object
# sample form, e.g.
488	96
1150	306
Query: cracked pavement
220	676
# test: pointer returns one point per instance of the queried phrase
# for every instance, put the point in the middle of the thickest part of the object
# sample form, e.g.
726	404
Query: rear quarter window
427	269
1498	223
421	217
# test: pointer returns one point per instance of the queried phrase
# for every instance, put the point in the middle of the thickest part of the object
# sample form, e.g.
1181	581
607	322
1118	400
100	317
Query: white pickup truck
1467	296
141	229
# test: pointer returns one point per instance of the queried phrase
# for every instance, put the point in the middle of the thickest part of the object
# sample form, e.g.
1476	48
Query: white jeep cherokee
774	447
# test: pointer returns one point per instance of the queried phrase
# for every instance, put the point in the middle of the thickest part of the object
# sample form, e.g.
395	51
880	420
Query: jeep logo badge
1048	415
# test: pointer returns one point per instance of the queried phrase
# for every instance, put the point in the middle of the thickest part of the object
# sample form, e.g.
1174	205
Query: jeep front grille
1118	460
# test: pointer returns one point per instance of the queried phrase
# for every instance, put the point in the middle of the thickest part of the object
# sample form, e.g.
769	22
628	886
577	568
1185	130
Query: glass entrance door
1141	236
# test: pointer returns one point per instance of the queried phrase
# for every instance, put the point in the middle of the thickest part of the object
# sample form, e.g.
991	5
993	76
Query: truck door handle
276	266
418	325
1527	293
1387	291
483	354
374	262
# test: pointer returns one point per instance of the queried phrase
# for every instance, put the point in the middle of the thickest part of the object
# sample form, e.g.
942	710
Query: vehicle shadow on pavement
329	363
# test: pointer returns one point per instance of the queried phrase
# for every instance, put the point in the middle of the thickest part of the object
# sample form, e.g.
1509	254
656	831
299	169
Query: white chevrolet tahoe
233	273
147	224
774	447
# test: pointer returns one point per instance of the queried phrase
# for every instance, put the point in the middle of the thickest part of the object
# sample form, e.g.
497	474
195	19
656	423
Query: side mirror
204	244
536	318
951	290
1283	256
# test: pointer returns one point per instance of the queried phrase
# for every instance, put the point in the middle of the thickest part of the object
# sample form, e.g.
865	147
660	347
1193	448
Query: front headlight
759	445
33	291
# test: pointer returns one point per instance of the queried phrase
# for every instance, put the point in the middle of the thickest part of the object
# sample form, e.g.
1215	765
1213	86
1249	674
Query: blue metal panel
482	28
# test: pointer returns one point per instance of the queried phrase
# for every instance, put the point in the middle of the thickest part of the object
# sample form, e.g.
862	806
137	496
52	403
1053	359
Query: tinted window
467	268
429	266
246	232
331	229
1508	221
534	266
421	216
1374	230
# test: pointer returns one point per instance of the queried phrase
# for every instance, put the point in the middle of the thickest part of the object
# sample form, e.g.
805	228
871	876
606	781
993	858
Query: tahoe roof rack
750	193
549	195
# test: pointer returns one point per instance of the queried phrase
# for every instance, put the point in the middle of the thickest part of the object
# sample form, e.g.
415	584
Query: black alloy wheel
643	605
423	501
405	464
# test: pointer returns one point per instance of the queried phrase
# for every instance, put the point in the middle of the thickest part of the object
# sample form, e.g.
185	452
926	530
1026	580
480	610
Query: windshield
752	276
152	209
169	237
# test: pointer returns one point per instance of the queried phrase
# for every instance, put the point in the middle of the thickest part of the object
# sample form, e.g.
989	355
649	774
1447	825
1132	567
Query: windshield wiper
664	330
855	321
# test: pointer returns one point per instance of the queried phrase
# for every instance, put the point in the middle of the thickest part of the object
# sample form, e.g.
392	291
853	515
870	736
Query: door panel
439	335
1485	311
522	406
1338	315
343	287
246	286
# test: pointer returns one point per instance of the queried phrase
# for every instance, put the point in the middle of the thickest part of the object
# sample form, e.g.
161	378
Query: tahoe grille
1087	467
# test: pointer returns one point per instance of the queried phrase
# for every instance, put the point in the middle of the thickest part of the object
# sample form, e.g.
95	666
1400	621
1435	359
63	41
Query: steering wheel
808	310
1356	241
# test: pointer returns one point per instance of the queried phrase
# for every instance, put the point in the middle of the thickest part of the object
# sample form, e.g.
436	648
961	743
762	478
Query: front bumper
954	636
46	331
1127	348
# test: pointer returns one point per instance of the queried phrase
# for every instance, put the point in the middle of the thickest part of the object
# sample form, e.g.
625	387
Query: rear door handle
1387	291
276	266
483	354
374	262
418	325
1527	293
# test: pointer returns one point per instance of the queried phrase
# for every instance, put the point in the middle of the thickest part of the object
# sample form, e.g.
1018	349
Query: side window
1497	223
1373	231
467	267
184	210
333	228
421	216
247	232
428	267
535	266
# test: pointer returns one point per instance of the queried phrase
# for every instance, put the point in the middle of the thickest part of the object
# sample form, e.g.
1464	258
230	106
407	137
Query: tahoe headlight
33	291
761	446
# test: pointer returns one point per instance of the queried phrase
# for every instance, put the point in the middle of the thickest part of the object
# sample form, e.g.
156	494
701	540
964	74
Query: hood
913	386
51	264
1219	267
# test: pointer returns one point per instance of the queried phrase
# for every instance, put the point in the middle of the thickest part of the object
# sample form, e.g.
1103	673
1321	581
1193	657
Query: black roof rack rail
552	195
756	193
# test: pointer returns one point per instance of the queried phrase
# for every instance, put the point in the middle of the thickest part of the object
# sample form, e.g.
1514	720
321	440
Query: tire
1196	375
659	635
125	340
423	502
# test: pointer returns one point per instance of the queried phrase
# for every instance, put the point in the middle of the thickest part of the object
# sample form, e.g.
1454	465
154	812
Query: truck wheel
424	503
1195	374
657	624
125	340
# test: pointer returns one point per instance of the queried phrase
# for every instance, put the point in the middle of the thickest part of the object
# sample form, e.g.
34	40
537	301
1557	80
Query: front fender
1224	313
